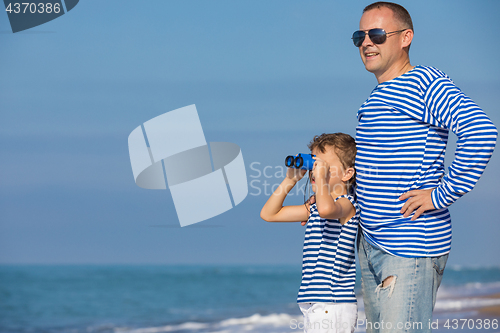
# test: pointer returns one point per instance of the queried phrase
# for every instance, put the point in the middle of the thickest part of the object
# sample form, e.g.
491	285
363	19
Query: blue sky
266	75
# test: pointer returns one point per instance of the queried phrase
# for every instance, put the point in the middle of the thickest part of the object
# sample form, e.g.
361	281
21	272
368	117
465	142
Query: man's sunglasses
378	36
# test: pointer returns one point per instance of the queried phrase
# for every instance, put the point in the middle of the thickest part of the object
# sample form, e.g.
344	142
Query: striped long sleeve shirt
401	140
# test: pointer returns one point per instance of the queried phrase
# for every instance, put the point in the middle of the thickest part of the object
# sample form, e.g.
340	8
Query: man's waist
409	246
375	221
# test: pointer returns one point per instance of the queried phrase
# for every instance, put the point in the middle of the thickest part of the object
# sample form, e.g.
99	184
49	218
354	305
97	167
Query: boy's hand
320	168
295	174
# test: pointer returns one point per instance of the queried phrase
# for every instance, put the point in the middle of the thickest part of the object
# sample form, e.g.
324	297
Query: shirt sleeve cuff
435	195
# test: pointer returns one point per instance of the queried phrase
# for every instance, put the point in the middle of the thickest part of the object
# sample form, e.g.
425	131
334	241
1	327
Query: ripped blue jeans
407	302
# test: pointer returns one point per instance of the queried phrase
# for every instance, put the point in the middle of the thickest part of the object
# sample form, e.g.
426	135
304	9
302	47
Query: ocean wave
469	289
456	267
276	322
466	303
189	326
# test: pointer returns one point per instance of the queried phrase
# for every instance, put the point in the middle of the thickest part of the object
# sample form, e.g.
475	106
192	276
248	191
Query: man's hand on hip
419	201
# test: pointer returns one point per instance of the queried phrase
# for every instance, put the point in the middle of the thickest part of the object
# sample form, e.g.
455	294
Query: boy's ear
348	174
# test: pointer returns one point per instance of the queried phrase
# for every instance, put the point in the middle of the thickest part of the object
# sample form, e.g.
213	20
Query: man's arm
476	141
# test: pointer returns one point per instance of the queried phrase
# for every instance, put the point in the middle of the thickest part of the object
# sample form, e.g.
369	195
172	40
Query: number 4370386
26	7
471	324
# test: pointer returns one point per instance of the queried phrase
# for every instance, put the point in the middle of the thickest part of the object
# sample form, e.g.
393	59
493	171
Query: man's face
379	58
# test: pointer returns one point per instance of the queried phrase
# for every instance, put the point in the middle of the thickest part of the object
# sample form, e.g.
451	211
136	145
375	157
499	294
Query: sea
203	298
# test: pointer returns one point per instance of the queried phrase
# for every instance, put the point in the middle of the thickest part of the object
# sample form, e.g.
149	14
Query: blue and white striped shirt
401	140
328	264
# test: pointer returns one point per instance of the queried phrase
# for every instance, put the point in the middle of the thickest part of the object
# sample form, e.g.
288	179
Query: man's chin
370	68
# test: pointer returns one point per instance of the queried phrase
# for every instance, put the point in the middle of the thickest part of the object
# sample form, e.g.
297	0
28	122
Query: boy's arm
273	210
328	208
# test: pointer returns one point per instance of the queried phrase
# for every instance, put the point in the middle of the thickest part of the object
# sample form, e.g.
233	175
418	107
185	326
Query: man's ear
407	36
348	174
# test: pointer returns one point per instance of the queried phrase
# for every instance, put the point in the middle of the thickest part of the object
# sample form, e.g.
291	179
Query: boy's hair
344	146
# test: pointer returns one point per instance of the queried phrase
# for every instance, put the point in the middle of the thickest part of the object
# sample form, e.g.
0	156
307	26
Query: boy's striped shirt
401	140
328	264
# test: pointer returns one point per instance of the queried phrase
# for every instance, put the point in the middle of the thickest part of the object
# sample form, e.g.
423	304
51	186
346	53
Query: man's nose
367	41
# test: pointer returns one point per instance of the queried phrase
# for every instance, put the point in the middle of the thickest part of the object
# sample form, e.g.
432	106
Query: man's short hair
400	13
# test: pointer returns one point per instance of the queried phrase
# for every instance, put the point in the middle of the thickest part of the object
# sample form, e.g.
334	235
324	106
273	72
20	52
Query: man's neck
395	71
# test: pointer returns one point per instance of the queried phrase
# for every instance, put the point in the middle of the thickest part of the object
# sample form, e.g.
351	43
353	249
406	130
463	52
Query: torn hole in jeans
390	285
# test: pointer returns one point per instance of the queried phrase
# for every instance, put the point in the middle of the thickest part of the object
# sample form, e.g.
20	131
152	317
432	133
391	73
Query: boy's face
335	171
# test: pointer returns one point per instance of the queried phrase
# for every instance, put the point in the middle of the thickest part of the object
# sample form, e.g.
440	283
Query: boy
326	295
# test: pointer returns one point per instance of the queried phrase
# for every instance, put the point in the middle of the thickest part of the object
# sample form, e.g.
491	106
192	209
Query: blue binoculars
301	161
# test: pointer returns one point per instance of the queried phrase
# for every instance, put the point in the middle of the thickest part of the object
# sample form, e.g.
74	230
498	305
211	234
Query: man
405	234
